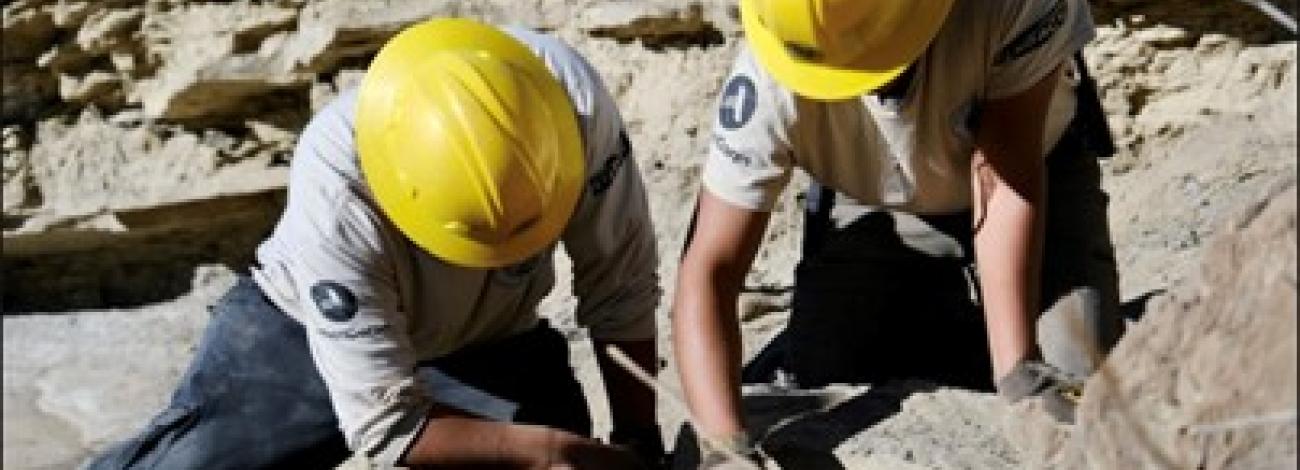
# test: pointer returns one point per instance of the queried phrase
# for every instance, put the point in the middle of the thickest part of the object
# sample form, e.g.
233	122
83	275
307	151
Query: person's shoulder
334	121
326	156
751	98
747	65
596	108
578	77
538	41
565	62
1006	18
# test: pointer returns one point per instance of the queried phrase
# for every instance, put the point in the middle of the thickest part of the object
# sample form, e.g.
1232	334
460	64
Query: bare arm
453	439
1010	209
706	332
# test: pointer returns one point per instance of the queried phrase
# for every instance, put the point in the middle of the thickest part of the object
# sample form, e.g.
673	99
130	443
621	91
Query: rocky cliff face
146	142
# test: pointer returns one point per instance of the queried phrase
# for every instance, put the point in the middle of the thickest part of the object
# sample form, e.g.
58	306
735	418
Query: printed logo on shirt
732	154
739	98
353	333
604	177
1035	36
334	301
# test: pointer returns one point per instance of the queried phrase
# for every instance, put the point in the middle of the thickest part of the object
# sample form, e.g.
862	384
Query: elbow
995	189
386	430
692	277
705	288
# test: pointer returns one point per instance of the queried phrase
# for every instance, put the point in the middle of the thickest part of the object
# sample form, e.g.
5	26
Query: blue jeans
252	397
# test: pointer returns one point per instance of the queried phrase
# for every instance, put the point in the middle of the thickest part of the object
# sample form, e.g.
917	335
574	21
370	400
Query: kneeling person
396	299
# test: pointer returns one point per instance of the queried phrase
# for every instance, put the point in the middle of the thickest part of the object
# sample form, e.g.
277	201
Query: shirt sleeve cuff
721	186
640	328
390	449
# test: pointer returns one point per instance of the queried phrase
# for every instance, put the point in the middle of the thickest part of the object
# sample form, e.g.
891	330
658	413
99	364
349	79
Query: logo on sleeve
739	98
1035	36
334	301
604	177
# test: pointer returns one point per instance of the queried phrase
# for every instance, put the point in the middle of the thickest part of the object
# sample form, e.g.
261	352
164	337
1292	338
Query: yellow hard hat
837	49
468	143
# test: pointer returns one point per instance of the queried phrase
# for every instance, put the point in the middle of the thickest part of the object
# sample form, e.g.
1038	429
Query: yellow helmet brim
826	82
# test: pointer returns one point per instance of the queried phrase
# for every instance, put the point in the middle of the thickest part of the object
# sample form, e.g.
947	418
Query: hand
574	452
645	442
1031	378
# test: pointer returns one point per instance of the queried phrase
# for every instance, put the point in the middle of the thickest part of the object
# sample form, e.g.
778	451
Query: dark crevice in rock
153	260
681	30
250	40
226	104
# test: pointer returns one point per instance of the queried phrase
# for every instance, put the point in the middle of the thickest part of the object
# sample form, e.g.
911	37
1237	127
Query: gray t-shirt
908	153
374	304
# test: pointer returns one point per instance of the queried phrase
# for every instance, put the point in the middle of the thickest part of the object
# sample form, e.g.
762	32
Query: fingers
1033	379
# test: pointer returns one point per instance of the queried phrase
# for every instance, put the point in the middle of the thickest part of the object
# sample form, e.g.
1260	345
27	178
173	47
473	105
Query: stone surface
1208	378
76	382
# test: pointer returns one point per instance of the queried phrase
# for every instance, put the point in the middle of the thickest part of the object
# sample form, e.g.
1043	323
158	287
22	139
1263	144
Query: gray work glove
1033	378
713	458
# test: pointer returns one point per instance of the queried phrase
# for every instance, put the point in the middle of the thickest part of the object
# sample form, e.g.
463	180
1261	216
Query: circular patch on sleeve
739	98
334	301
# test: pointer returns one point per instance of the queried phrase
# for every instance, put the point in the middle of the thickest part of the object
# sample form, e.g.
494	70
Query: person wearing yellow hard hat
393	312
955	227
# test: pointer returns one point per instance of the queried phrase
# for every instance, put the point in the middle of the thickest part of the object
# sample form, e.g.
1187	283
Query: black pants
883	294
252	397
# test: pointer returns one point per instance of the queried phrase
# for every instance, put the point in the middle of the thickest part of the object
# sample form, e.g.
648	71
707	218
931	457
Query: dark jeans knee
251	398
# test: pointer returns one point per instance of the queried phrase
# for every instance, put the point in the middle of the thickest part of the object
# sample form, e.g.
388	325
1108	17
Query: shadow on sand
800	429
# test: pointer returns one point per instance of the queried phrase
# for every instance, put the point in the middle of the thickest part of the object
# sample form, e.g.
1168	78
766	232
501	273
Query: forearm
706	338
706	331
1008	245
453	439
631	403
1010	210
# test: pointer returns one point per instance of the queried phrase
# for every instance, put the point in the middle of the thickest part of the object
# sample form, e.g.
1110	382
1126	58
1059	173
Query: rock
332	32
1208	378
92	165
27	29
26	93
64	57
106	29
213	70
656	26
98	87
17	177
84	375
1178	103
323	93
270	133
69	14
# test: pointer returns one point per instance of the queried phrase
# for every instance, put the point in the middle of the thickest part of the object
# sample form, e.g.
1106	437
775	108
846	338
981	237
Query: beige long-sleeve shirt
374	304
910	152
